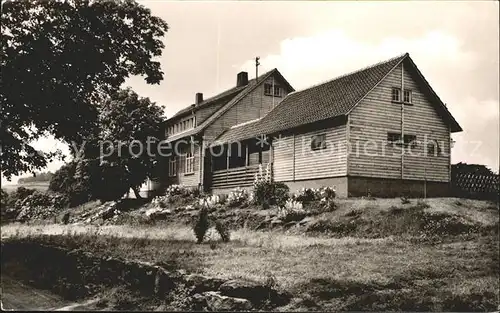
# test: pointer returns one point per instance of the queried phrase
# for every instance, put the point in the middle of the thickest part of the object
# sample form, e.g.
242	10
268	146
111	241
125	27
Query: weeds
405	200
422	204
223	231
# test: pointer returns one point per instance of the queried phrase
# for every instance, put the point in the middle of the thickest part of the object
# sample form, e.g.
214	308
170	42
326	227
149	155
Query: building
381	130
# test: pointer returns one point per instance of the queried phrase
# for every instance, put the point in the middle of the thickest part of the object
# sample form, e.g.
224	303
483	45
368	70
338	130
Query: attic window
396	94
407	96
268	89
277	91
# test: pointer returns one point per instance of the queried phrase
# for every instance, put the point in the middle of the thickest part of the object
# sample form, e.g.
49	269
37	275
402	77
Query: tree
59	60
129	132
37	177
112	163
461	168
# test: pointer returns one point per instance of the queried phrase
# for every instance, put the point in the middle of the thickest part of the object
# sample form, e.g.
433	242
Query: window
268	89
172	167
318	142
277	91
410	140
189	167
396	94
433	148
407	96
395	139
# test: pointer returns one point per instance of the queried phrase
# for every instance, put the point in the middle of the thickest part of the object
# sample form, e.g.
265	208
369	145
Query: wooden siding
252	106
294	160
204	112
376	115
191	179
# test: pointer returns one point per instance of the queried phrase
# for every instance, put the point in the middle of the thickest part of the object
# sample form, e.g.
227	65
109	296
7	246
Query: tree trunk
136	192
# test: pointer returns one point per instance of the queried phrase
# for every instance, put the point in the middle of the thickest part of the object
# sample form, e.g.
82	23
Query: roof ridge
221	94
351	73
246	123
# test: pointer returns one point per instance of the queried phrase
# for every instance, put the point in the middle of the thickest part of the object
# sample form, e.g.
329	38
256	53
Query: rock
256	293
243	289
290	224
276	222
305	221
202	283
161	308
262	225
217	302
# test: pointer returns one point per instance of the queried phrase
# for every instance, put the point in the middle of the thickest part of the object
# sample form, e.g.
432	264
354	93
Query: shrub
7	210
281	193
223	231
180	190
328	205
266	192
211	202
39	206
305	195
201	225
291	211
237	197
405	200
422	204
65	218
76	180
327	193
19	195
324	194
4	198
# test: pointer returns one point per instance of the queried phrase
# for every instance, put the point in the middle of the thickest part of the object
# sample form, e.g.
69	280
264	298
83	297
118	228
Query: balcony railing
235	177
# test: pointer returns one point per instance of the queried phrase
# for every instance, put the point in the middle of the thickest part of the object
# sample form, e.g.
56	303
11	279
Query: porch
236	164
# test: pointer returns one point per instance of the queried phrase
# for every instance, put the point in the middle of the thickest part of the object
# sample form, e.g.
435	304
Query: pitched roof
221	98
238	95
236	133
327	100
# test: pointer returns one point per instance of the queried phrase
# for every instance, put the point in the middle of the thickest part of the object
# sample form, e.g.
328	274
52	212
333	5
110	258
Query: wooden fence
477	186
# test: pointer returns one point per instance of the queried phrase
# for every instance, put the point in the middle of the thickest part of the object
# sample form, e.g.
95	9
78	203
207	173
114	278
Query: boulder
214	301
202	283
306	221
256	293
158	213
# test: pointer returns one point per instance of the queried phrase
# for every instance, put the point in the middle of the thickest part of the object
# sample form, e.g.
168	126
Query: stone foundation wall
391	188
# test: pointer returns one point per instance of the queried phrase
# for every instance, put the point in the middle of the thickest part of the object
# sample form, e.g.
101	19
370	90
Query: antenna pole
257	68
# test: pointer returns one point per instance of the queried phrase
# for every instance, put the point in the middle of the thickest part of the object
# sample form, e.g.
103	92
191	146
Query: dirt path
17	296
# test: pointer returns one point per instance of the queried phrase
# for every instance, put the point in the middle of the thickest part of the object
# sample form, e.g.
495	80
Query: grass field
432	255
337	273
40	186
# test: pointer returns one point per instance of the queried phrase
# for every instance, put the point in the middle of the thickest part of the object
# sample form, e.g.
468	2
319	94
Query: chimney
199	98
242	79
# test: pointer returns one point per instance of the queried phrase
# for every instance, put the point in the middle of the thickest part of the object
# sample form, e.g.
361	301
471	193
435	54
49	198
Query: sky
454	44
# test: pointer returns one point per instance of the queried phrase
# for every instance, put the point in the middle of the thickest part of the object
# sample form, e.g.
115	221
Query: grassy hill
381	254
